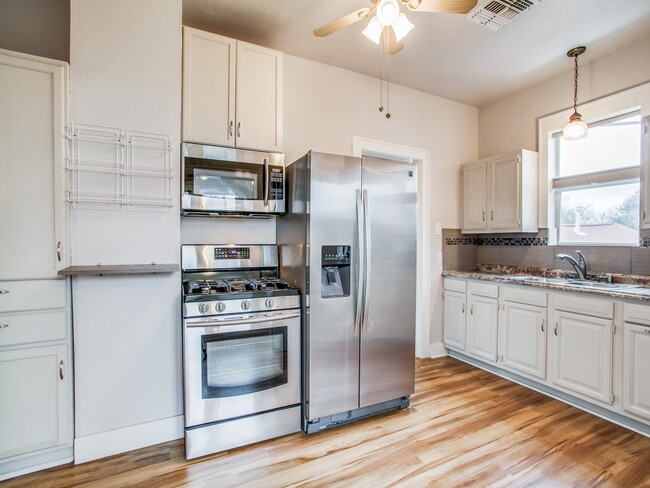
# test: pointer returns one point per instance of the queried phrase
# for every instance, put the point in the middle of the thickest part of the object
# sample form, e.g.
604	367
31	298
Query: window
596	183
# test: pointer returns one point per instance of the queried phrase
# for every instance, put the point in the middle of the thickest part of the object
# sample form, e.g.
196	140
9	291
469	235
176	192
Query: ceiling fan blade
338	24
446	6
390	44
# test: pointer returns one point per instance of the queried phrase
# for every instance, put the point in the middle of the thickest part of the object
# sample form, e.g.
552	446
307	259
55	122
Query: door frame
362	146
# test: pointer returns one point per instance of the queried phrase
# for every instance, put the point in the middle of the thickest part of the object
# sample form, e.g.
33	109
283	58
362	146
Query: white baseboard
96	446
437	350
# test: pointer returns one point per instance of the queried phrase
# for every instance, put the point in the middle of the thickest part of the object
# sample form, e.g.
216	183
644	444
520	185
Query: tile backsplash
465	252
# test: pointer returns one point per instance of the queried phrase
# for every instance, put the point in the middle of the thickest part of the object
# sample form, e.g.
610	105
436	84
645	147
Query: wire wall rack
110	168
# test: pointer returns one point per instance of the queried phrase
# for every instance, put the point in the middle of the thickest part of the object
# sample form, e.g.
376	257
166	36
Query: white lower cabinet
523	339
583	355
482	322
33	399
454	320
636	361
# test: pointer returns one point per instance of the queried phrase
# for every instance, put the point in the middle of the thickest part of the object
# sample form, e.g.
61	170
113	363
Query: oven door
227	180
240	365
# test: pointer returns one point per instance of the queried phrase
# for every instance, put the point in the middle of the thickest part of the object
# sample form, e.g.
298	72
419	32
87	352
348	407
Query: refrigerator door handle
360	270
368	244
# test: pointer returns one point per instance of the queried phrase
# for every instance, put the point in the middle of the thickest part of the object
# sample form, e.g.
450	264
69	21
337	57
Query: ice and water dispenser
335	271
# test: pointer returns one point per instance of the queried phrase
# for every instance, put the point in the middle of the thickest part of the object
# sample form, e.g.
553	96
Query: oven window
228	180
237	363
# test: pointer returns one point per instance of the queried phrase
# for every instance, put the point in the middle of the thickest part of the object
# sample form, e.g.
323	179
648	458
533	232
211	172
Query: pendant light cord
575	84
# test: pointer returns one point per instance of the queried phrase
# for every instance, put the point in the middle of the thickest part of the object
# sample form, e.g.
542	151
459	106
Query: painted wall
510	123
125	72
38	27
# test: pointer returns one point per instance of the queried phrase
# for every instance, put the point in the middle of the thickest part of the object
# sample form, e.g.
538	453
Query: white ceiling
445	54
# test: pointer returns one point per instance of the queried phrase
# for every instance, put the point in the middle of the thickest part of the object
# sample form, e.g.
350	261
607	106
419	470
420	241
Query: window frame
636	99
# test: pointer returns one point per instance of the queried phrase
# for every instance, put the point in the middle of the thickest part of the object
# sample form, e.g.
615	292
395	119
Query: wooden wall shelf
119	269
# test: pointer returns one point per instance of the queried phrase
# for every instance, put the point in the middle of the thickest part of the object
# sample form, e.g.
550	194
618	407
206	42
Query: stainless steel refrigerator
348	241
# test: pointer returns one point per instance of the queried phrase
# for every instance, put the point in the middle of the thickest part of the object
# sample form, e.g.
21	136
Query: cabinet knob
471	310
463	308
58	251
492	215
542	325
4	292
232	128
555	329
238	129
483	215
4	326
61	369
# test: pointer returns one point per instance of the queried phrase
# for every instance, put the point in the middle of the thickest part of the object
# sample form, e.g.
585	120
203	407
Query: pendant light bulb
387	12
373	30
576	128
401	27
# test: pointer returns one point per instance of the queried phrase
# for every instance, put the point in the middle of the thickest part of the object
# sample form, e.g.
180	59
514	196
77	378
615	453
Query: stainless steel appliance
222	181
241	331
348	242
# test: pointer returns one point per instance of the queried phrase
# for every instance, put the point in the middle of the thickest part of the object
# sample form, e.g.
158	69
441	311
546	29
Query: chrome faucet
580	266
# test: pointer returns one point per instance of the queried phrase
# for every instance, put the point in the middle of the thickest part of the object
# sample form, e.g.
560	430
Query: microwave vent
496	14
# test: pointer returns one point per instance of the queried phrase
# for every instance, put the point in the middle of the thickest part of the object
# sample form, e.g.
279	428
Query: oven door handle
242	321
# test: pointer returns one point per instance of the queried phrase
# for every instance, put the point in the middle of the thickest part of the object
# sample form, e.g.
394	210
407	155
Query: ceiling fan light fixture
402	26
373	30
387	12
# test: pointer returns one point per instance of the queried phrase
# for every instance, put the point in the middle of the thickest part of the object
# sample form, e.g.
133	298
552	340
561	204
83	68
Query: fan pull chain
383	57
381	84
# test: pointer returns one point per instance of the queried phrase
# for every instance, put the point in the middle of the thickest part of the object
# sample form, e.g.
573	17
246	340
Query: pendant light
576	128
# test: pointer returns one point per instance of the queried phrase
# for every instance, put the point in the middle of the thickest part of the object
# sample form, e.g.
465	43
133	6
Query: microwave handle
265	182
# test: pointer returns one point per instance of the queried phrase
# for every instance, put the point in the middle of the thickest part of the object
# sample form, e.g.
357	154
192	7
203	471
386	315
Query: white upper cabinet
500	194
33	117
232	92
645	173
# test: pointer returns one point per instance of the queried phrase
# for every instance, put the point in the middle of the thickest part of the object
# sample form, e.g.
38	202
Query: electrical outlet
438	228
440	258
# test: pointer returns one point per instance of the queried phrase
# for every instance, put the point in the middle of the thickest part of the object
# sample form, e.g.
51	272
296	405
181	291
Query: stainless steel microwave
228	182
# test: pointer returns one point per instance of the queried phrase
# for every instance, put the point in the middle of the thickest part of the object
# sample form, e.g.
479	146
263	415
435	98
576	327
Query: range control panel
335	255
276	182
232	253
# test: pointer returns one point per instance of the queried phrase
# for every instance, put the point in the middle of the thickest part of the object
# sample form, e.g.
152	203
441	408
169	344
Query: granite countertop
631	287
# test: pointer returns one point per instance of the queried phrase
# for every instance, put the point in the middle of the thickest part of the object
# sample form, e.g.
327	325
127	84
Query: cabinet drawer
636	314
483	289
455	285
583	305
32	295
25	327
520	294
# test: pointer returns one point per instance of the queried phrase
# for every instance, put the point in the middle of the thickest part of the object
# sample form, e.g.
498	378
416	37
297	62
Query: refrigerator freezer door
332	355
387	362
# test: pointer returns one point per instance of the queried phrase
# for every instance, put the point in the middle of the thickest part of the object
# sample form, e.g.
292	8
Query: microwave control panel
276	183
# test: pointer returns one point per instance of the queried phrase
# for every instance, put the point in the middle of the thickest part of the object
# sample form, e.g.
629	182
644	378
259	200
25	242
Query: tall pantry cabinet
35	325
232	92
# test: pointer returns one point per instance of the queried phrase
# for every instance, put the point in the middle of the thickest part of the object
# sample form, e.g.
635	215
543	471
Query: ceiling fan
388	14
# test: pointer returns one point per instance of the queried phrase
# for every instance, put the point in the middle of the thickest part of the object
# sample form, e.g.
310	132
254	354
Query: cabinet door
523	339
645	172
33	399
583	355
208	88
32	128
259	97
482	329
474	178
505	195
636	364
454	320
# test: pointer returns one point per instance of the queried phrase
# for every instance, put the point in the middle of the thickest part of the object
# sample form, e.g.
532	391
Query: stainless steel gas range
241	331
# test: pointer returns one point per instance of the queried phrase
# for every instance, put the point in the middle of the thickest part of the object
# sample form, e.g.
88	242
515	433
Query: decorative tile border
498	241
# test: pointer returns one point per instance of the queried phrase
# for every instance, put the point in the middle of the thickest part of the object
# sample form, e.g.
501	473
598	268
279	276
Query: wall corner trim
437	350
103	444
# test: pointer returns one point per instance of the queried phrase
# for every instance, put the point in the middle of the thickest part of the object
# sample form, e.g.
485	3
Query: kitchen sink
595	285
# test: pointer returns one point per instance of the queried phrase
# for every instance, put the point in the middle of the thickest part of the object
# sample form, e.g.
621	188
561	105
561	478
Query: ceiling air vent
495	14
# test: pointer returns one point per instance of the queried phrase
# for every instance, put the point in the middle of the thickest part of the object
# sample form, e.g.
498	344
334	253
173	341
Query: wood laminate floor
465	427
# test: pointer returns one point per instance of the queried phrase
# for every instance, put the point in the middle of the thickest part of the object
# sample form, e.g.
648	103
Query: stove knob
204	307
270	303
220	306
246	305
